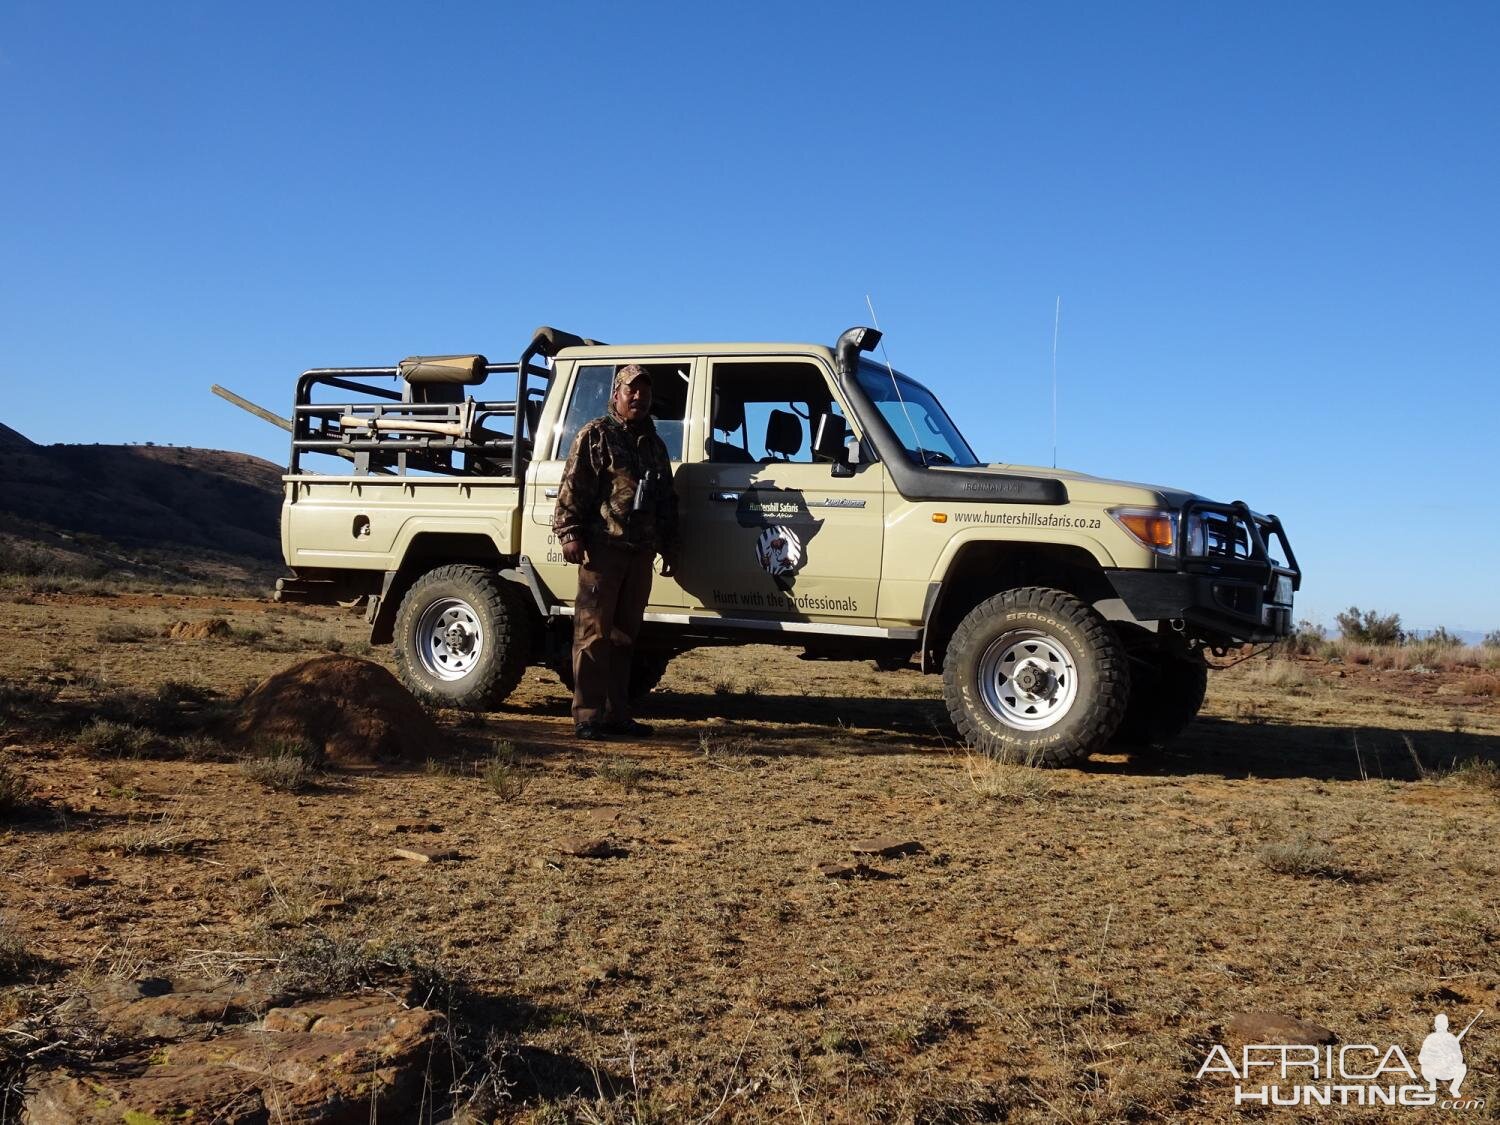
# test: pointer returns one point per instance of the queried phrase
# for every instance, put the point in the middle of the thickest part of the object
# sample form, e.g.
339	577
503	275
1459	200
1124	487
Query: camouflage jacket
596	499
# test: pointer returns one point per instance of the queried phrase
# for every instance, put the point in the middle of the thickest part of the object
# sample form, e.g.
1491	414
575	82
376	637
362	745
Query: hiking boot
630	726
591	732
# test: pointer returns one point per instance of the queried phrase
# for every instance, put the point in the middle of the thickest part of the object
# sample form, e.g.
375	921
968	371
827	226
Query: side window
591	390
765	412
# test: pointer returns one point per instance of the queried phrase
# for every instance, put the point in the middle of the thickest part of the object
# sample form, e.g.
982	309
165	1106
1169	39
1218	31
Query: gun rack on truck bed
427	422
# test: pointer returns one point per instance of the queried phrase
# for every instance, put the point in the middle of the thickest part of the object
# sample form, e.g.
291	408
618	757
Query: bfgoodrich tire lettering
1036	676
462	637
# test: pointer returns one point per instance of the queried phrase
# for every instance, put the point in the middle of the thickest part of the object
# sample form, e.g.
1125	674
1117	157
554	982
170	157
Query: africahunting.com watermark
1351	1074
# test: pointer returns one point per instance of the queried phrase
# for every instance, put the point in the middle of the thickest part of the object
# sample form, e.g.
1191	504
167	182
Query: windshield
917	418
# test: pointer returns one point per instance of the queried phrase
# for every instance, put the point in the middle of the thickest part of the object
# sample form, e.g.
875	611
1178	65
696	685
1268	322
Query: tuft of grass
1486	685
122	740
723	687
123	633
200	748
1282	675
322	964
15	959
627	773
722	746
501	774
1303	856
1006	781
15	794
165	834
1476	773
286	765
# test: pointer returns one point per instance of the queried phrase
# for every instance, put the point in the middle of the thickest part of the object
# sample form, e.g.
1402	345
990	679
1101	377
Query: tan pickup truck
828	502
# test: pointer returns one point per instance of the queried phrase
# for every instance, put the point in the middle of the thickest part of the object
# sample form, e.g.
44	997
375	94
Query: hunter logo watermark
1362	1074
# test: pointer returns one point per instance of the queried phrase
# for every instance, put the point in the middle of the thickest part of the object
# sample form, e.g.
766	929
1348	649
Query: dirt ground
1057	946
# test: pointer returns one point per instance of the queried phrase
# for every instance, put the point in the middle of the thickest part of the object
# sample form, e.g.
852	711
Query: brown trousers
613	588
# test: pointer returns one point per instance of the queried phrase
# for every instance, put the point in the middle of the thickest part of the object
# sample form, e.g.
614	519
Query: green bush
1442	638
1370	628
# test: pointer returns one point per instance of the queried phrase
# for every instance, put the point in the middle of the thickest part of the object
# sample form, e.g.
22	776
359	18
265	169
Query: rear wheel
1166	692
462	637
1035	676
647	667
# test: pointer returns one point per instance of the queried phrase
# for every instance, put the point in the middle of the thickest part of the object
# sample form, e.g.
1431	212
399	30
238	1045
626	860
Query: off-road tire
647	667
1084	667
485	607
1166	692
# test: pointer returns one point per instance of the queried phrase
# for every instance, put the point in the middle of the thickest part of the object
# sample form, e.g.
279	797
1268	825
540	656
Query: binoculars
645	490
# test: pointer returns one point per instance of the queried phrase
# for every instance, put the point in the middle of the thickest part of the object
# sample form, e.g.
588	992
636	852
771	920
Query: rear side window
590	399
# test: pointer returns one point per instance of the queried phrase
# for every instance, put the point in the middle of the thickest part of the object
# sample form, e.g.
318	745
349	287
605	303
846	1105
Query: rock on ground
343	1059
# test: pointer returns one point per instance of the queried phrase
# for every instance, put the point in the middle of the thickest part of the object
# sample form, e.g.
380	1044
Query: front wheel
1035	676
462	637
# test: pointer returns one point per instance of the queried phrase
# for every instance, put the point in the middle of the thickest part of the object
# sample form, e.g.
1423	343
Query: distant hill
151	512
9	438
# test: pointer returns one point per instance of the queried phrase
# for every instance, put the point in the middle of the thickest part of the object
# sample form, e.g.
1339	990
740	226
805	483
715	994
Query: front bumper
1228	589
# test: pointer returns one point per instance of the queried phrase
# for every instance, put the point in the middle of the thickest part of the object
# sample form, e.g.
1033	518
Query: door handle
550	494
724	497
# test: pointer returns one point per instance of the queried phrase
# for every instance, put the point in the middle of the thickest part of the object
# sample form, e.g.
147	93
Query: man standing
616	509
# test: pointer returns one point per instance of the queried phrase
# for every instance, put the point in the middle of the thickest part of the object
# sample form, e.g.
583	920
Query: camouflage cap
629	374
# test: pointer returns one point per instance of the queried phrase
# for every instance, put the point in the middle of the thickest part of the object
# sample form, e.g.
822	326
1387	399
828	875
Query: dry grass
15	958
15	793
1476	773
1305	856
284	765
1280	675
625	774
1064	948
122	633
502	775
107	738
1005	781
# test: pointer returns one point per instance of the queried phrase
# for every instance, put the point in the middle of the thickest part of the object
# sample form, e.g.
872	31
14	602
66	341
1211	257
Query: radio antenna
915	437
1056	324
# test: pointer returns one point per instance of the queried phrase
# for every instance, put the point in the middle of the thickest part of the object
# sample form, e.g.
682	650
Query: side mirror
829	432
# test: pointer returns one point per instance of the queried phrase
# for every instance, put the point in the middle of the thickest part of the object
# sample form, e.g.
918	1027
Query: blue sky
1272	227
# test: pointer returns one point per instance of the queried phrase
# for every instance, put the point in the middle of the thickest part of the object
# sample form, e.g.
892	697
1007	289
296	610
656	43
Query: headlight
1195	536
1153	528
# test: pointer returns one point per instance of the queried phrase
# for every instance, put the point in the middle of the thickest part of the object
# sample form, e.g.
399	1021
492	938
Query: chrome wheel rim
450	639
1028	679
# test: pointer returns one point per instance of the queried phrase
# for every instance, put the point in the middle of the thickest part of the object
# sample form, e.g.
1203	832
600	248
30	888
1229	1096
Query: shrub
287	765
1492	639
1306	639
104	736
1442	638
14	793
1371	627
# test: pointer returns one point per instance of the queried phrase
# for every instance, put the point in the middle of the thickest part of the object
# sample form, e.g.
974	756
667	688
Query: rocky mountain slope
138	511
